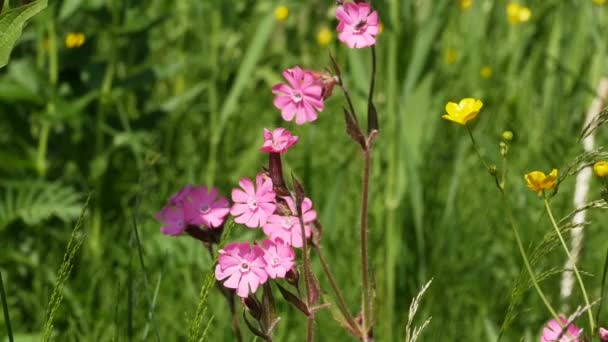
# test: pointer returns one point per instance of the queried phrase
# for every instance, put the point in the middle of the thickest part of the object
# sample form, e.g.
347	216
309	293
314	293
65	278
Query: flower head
254	205
74	40
203	207
287	227
358	24
242	267
603	335
324	36
553	330
462	112
537	181
301	97
465	4
599	3
279	258
601	168
281	13
174	222
517	14
451	55
278	141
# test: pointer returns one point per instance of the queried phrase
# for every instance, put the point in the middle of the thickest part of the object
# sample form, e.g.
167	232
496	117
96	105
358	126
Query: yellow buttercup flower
517	14
601	168
462	112
537	181
380	27
74	40
486	72
281	13
599	2
324	36
451	56
465	4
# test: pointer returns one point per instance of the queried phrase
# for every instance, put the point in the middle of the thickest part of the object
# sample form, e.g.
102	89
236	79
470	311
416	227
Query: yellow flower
380	28
599	2
486	72
463	112
74	40
601	168
517	14
450	56
281	13
324	36
465	4
507	135
537	181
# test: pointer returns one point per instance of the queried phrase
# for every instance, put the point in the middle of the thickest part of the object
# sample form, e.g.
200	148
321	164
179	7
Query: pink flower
553	329
279	258
242	266
173	220
302	97
253	207
358	24
603	335
178	198
278	141
202	207
287	228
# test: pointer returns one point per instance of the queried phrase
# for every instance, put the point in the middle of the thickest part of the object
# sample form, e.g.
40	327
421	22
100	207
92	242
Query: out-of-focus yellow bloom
599	2
507	135
486	72
517	14
74	40
465	4
324	36
380	27
537	181
601	168
462	112
451	56
281	13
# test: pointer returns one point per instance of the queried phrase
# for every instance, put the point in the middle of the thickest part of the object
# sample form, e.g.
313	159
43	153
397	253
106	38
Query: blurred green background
168	93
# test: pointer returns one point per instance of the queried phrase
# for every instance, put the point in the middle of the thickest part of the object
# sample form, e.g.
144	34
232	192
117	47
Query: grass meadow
163	93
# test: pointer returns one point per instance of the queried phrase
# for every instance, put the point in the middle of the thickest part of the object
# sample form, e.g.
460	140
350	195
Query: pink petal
239	209
247	185
239	195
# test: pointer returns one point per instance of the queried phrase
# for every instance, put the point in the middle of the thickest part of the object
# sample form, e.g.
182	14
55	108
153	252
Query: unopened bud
293	278
253	306
504	149
326	80
603	335
507	135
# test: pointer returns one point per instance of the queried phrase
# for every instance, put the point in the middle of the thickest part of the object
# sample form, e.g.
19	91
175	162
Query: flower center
244	267
275	261
296	96
252	204
205	208
287	223
360	26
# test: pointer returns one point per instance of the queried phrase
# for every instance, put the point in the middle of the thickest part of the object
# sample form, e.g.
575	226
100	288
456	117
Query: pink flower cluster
244	267
193	206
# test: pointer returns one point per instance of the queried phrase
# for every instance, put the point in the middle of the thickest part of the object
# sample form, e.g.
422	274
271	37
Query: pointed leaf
336	67
11	25
338	317
300	194
314	289
372	117
252	328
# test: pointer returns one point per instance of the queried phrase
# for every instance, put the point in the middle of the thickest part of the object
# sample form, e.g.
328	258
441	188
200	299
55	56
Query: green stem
7	321
576	272
366	293
526	261
476	148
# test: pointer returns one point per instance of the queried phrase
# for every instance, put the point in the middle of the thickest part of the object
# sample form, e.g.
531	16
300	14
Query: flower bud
493	170
254	306
504	148
507	135
601	168
325	80
603	335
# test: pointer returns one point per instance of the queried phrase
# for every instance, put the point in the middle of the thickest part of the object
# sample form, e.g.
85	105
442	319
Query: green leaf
11	25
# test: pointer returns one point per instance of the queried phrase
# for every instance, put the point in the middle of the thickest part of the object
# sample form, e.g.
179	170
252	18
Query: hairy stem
576	272
366	295
306	261
310	325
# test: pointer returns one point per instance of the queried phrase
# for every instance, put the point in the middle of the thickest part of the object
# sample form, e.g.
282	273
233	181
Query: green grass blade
7	320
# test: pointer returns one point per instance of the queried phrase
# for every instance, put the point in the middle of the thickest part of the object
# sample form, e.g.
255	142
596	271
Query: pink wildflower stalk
241	267
358	25
254	205
301	97
203	207
552	331
287	227
278	140
279	258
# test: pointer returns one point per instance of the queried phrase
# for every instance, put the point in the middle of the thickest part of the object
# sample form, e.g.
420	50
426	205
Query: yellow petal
452	108
453	119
